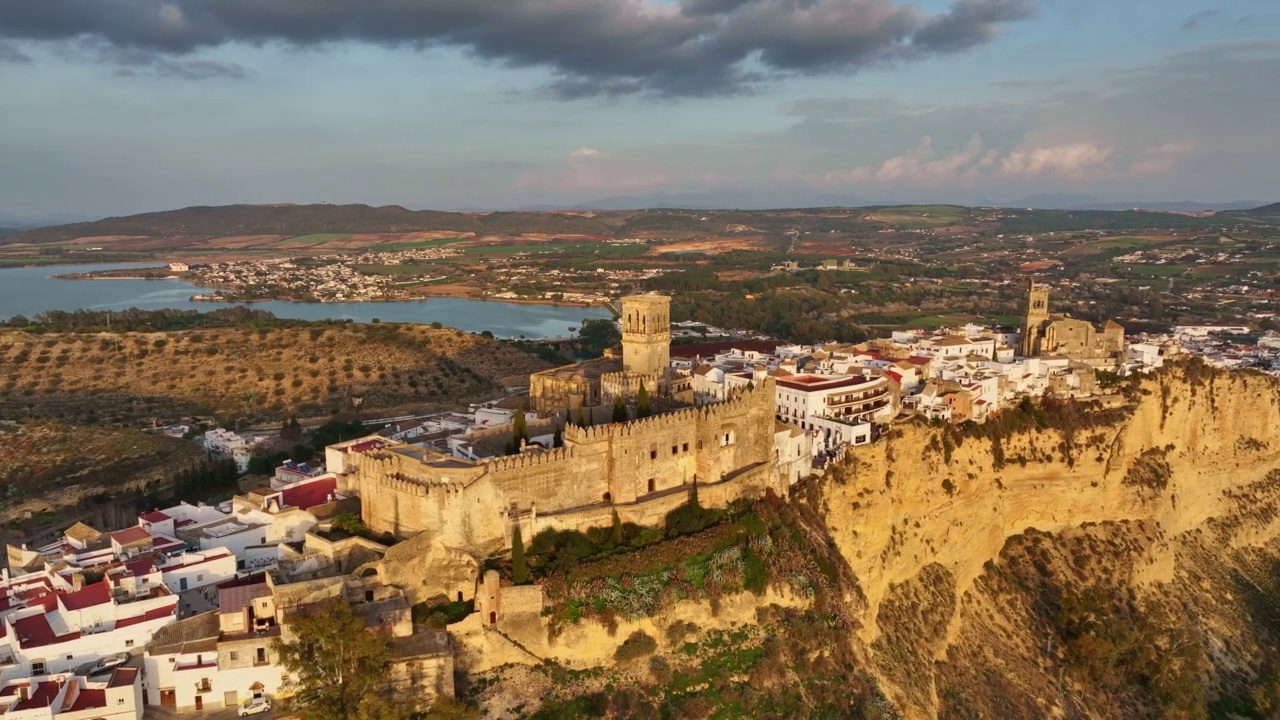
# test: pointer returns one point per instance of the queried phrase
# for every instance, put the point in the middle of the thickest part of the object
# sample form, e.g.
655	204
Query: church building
1046	334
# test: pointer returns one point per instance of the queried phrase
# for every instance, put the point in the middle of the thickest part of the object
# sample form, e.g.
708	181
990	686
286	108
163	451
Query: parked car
253	706
107	664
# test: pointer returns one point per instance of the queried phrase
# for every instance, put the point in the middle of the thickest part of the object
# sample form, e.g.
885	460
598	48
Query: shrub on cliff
637	645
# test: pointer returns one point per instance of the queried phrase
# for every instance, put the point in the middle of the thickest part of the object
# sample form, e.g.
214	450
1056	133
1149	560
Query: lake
32	290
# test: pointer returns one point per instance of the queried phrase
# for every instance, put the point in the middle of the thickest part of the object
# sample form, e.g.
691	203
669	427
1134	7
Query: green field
438	242
313	239
396	271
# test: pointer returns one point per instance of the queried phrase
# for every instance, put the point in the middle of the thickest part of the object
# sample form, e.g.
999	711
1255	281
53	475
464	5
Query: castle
640	469
1054	334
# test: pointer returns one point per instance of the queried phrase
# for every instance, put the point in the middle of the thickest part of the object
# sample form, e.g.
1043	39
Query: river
32	290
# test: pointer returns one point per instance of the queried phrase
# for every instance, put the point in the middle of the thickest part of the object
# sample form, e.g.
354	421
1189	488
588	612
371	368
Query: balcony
204	686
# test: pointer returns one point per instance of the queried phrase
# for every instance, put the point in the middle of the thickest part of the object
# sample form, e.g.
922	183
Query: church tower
1037	313
646	334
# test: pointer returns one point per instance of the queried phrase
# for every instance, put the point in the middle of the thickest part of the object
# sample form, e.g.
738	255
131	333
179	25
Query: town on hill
685	528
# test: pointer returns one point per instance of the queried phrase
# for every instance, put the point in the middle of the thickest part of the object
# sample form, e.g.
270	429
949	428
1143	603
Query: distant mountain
1272	209
716	200
1082	201
10	221
230	220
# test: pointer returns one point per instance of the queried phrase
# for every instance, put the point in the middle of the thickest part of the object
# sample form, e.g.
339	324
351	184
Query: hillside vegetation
247	372
50	466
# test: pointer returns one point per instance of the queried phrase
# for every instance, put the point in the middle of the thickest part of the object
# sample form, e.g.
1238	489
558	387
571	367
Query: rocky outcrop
923	518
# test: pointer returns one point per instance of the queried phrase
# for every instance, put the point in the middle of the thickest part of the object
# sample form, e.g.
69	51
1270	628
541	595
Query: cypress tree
642	402
519	427
582	418
519	567
619	410
616	534
557	440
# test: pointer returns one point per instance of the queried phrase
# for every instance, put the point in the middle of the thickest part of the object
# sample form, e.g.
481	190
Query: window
675	449
685	447
653	454
71	657
37	667
199	578
119	701
262	656
144	581
128	643
235	655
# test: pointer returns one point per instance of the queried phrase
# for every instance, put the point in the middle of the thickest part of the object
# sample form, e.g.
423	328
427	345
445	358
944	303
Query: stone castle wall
470	506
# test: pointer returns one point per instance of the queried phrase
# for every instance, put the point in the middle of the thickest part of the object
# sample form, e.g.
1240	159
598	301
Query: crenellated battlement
528	461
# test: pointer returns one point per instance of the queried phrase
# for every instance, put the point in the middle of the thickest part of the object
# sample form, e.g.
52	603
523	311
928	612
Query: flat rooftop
822	382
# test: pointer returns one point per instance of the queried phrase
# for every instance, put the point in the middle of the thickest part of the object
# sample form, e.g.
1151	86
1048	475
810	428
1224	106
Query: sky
111	107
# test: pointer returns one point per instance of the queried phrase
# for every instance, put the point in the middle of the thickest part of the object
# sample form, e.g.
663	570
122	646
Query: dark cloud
135	61
11	54
594	47
1197	19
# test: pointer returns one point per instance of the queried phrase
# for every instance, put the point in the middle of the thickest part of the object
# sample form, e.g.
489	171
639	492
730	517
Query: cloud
1197	19
588	169
130	62
11	54
592	47
974	163
1161	159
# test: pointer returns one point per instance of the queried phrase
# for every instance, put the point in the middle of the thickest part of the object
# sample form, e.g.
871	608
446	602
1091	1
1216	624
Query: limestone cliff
1149	502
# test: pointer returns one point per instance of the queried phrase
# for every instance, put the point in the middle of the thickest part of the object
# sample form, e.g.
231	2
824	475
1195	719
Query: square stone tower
646	334
1037	313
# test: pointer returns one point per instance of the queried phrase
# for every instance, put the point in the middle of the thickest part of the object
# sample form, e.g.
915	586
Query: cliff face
971	551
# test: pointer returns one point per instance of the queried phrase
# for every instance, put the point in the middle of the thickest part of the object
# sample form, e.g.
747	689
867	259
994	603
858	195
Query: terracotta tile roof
234	599
198	633
42	697
88	699
309	494
35	631
130	536
88	596
122	676
155	517
156	614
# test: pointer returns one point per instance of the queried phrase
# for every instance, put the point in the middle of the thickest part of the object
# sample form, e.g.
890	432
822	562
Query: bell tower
1037	313
646	334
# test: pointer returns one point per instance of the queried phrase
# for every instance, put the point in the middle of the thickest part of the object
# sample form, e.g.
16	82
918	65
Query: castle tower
646	334
1037	313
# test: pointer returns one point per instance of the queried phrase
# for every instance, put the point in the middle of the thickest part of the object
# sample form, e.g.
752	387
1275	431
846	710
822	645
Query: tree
519	568
519	427
642	402
557	440
350	524
615	534
336	668
619	410
582	418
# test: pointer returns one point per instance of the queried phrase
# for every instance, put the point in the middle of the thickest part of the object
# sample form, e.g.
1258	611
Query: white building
52	626
73	697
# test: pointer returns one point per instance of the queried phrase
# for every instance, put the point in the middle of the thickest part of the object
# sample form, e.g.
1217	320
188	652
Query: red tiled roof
917	360
155	517
309	494
12	689
123	676
88	596
132	535
88	699
138	568
43	696
237	598
34	631
39	597
157	614
366	445
816	382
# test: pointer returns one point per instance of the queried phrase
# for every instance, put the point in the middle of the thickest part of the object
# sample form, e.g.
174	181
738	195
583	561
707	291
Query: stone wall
469	505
